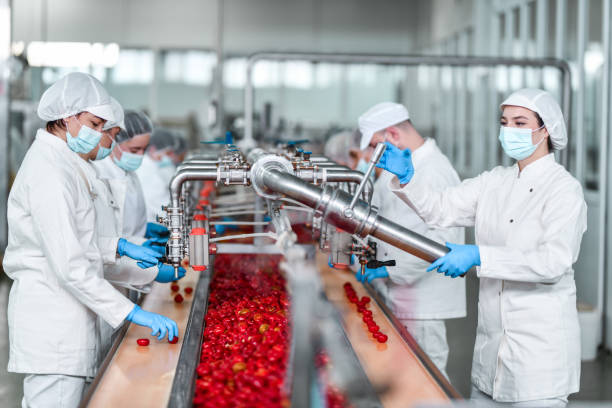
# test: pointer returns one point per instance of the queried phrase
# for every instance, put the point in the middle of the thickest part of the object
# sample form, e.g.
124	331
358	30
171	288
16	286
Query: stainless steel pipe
330	203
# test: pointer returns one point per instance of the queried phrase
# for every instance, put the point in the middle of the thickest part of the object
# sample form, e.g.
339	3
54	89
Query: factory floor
595	379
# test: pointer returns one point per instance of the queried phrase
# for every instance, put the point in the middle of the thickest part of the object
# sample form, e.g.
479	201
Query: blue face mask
128	161
517	142
103	152
165	162
85	141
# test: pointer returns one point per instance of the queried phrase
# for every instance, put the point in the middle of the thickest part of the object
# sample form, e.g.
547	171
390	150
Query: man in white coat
421	300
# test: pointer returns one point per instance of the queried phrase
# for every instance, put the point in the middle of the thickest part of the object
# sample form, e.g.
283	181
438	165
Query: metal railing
408	61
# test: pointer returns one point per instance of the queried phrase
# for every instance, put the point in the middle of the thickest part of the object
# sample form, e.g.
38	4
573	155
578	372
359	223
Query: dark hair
540	124
55	125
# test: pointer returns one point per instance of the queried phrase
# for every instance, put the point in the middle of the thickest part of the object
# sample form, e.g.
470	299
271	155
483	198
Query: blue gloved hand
371	274
155	230
157	244
220	229
161	325
458	261
165	273
147	256
398	162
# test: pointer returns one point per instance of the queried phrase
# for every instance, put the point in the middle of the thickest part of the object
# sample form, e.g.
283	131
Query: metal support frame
405	60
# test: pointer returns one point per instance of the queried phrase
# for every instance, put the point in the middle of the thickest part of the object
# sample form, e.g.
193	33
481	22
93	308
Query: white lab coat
56	265
412	292
122	272
155	187
127	192
528	227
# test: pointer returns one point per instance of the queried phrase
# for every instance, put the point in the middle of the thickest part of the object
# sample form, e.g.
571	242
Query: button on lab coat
411	291
56	265
127	193
529	227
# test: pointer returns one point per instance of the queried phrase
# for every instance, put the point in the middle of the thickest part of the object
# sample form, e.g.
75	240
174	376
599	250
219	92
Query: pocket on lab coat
536	337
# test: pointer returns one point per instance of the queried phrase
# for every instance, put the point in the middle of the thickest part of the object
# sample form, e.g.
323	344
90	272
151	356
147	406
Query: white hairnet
136	123
74	93
118	114
545	105
379	117
338	146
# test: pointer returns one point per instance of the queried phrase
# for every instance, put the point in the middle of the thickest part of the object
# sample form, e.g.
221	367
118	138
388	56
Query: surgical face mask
103	152
362	166
517	142
165	162
85	141
128	161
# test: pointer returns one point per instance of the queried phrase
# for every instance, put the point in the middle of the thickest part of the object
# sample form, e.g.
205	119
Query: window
134	67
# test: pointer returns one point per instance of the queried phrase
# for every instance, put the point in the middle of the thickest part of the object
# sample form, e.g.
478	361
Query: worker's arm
75	263
452	207
564	221
410	269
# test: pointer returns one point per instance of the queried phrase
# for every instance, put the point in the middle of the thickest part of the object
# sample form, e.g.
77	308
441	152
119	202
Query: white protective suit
129	198
56	264
155	187
411	292
529	226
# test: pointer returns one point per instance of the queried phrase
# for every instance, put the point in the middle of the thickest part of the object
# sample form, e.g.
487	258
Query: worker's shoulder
437	166
562	182
43	165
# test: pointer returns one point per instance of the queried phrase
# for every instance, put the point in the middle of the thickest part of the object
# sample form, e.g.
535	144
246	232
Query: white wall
249	25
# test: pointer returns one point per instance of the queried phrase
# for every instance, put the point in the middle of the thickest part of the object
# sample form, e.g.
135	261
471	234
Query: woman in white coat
529	221
53	254
119	171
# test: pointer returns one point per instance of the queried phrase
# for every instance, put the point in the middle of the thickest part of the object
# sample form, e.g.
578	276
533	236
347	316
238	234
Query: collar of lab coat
54	142
111	169
421	154
535	169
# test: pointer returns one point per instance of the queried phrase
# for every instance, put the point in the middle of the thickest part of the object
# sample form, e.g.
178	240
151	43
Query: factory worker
119	171
421	301
529	221
123	272
155	170
177	154
53	255
343	148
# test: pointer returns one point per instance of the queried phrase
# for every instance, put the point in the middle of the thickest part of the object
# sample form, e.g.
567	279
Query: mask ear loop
543	137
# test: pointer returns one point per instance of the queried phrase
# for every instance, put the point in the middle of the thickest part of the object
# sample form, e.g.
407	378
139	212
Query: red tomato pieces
178	298
143	342
188	290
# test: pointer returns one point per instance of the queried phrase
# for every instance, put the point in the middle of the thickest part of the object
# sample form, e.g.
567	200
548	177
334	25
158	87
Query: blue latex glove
146	256
150	243
329	262
398	162
157	244
161	325
458	261
155	230
165	273
371	274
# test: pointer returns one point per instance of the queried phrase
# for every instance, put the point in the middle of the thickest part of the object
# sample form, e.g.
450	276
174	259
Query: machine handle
373	263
